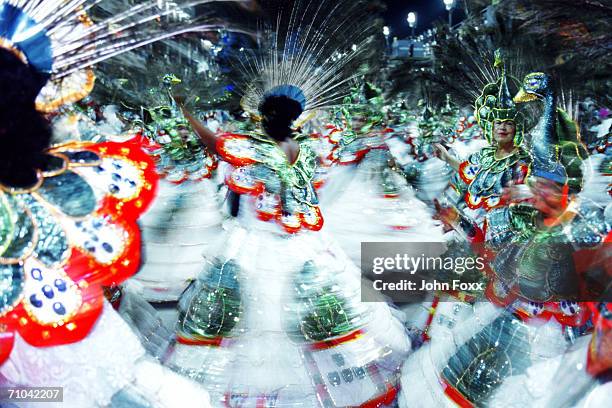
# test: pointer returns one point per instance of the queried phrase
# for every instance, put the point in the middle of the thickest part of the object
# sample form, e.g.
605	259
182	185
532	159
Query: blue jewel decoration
60	285
334	378
59	308
48	292
35	301
36	274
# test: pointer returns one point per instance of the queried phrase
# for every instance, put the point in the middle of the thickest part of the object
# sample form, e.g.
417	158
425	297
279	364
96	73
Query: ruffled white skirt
272	355
108	367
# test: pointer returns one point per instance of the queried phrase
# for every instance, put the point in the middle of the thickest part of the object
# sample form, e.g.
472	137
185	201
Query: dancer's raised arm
445	156
206	135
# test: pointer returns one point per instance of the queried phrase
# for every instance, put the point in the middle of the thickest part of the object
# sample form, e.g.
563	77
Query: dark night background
428	12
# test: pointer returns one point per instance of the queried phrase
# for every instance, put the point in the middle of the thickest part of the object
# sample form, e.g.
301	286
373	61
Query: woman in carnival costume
276	319
472	207
480	180
557	260
508	356
68	216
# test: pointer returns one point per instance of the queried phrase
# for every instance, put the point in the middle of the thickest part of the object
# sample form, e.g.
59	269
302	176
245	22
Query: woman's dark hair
278	113
24	132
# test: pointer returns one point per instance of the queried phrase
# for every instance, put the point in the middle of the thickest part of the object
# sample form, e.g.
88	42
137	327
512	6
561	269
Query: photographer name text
435	285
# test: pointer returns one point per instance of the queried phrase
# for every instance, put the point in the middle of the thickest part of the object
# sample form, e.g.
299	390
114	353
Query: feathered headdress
306	58
60	40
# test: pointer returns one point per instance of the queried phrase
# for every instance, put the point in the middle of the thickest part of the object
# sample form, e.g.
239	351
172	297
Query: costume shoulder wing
68	236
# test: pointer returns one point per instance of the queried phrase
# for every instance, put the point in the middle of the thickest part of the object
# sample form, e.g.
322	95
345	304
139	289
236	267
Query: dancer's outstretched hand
207	136
448	215
445	156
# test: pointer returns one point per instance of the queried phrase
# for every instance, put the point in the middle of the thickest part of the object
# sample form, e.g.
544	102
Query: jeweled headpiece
495	104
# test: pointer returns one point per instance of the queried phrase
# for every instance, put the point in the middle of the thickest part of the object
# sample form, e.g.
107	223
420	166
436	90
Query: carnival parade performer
276	318
69	216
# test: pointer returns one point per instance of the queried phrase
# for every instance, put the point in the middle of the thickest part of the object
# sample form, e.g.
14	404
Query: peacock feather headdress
60	40
307	56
